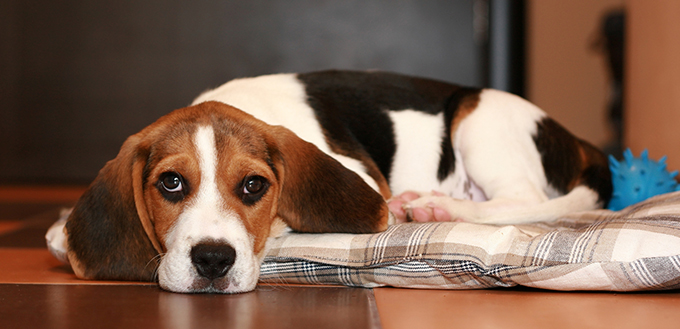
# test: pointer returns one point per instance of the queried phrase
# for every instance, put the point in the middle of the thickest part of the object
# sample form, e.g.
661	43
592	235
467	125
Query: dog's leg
515	196
435	207
498	152
502	160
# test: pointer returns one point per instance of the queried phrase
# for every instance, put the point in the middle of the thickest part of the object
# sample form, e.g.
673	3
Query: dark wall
78	76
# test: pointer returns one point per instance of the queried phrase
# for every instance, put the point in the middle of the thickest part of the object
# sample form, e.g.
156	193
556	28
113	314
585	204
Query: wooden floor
37	292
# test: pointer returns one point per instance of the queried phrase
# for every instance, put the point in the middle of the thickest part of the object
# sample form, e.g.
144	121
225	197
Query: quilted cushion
633	249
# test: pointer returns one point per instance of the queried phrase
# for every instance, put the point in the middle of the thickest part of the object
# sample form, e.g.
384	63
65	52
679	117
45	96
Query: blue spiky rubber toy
636	179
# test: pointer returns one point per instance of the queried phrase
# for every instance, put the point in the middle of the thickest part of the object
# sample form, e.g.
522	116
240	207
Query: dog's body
205	185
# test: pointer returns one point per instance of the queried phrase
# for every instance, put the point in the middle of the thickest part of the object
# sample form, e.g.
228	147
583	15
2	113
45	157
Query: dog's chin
219	286
202	285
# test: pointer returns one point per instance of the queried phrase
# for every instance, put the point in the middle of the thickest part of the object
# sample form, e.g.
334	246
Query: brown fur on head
124	220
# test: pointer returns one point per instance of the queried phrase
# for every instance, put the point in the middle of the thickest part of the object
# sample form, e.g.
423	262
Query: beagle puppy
191	200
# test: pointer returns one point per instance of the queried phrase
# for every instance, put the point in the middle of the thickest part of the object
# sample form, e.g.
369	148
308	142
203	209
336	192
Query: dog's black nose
213	260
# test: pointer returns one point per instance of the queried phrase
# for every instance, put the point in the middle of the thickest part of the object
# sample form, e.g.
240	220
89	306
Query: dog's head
191	200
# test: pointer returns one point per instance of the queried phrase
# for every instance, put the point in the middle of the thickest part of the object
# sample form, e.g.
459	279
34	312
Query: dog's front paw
419	207
398	205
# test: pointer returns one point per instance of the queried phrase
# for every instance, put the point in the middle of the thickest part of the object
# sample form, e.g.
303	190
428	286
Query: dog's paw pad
440	215
418	207
420	215
396	207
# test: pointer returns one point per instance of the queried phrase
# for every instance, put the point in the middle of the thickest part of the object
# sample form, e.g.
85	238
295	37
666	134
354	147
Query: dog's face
192	199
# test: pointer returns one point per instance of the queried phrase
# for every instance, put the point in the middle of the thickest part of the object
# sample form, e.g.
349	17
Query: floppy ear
320	195
106	235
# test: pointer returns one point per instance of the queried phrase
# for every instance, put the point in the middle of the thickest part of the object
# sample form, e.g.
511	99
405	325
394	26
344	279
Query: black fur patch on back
569	161
559	153
596	174
456	103
352	110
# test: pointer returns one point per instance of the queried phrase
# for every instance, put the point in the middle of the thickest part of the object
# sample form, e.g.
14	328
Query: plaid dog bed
637	248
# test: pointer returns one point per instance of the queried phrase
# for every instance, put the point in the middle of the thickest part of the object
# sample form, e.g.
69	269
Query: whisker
157	266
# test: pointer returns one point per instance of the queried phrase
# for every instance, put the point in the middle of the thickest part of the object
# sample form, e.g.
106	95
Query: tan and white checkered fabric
637	248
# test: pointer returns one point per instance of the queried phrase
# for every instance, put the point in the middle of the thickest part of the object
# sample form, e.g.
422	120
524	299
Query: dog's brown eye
252	188
172	183
172	186
253	185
